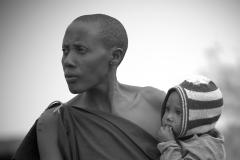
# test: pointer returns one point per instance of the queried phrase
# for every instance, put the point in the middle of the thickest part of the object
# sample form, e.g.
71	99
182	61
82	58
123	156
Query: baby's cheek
164	119
176	129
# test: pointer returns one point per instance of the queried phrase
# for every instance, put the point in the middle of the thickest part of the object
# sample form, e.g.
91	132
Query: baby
189	114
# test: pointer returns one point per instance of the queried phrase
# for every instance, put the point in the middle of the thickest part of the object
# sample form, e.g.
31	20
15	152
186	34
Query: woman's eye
64	50
81	49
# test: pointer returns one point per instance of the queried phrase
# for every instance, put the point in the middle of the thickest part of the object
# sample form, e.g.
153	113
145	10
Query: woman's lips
71	78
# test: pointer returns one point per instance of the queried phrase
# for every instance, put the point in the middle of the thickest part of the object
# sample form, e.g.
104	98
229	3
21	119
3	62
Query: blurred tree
232	143
224	69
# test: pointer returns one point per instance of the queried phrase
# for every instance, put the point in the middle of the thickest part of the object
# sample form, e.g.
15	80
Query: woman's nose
68	60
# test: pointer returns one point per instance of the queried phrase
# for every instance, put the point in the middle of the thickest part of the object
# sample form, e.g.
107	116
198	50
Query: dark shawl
89	135
28	149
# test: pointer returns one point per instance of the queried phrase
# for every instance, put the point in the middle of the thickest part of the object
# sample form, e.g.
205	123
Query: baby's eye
167	109
179	112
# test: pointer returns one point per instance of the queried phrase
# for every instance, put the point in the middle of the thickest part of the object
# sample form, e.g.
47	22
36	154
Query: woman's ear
117	56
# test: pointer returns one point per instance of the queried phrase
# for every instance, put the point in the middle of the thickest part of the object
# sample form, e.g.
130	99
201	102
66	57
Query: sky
167	42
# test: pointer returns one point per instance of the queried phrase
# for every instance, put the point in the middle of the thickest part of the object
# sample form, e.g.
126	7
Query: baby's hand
165	133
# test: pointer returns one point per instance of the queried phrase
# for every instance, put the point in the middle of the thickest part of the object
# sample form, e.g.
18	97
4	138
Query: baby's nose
170	118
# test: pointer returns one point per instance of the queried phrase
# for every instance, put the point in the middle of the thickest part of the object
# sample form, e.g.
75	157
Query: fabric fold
87	134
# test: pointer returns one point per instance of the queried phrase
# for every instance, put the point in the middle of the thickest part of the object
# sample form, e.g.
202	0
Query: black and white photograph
120	80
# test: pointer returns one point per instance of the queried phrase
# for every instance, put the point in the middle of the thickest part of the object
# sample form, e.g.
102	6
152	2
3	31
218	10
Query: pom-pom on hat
201	102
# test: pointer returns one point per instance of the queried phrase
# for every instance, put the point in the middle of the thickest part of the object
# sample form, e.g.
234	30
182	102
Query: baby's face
173	113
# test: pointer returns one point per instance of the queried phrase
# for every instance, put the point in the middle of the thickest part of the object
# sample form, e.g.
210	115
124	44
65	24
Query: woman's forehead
84	27
81	31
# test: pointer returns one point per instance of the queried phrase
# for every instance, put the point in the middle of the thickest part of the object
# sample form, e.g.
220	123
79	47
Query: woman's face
85	60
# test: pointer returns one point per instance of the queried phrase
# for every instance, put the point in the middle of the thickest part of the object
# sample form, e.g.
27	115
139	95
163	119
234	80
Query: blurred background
168	40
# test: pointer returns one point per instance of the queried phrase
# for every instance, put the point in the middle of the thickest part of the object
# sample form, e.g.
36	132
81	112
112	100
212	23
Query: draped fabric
88	135
28	149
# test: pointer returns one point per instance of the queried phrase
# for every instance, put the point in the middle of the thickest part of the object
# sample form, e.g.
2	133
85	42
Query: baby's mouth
168	125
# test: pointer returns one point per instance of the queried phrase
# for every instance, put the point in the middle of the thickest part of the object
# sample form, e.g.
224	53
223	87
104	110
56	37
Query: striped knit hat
201	102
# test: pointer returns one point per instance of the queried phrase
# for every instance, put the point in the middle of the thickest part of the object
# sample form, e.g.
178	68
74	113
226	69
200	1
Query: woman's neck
101	97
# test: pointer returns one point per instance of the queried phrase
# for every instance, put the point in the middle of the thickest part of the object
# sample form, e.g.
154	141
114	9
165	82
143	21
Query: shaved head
112	32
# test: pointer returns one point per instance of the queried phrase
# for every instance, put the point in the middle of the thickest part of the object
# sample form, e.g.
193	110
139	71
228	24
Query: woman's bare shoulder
153	95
